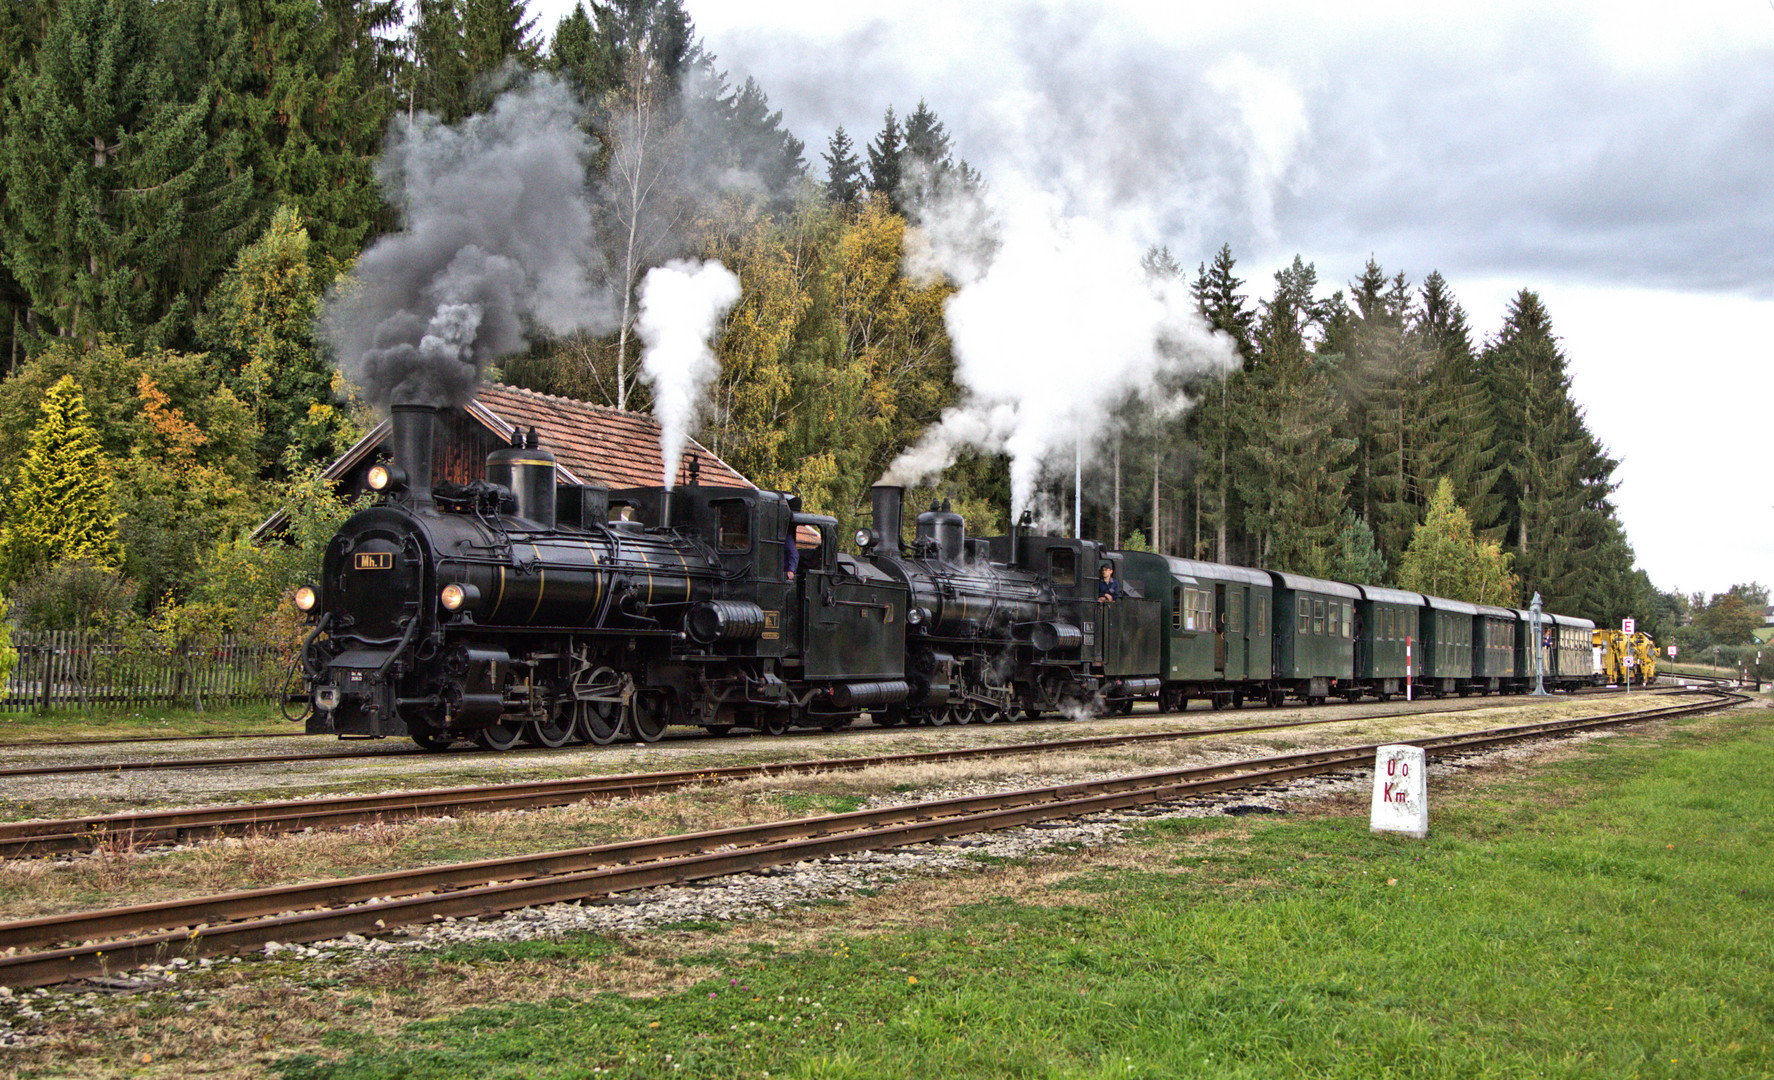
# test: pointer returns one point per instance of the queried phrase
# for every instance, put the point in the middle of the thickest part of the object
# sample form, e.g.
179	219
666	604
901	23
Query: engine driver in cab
1108	586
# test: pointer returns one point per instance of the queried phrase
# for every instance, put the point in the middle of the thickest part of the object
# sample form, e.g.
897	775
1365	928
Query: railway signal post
1535	622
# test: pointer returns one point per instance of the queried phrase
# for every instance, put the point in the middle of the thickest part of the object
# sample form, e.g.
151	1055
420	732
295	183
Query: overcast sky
1614	157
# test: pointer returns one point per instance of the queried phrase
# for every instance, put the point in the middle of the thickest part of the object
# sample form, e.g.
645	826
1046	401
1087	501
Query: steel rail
398	752
370	905
137	828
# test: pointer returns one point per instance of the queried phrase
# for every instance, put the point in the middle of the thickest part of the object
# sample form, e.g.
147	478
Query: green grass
1609	918
59	725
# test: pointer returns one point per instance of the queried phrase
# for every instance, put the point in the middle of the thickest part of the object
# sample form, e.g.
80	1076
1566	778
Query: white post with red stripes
1407	669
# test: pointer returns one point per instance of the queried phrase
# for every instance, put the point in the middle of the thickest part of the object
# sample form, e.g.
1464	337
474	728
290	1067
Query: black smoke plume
497	241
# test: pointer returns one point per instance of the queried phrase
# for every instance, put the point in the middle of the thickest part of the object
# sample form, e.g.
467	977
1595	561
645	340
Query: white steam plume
496	238
1058	325
681	304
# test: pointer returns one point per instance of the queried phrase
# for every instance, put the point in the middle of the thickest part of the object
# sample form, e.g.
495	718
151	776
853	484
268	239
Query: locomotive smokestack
889	503
412	430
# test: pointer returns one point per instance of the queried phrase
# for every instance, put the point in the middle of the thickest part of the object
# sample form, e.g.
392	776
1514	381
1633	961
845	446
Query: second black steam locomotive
516	608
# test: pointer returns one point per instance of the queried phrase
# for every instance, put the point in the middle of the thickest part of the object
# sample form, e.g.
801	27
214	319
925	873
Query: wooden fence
75	670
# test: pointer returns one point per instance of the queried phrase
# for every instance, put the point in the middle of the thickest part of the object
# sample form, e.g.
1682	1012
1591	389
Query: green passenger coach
1216	628
1385	626
1314	624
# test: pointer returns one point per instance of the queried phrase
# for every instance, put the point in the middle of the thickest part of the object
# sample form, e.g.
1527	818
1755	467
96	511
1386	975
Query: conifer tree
1541	442
584	54
1217	298
59	506
843	170
438	75
1458	422
120	206
311	96
1293	469
759	145
884	155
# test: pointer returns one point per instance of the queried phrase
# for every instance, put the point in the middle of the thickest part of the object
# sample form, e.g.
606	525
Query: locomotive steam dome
948	530
528	471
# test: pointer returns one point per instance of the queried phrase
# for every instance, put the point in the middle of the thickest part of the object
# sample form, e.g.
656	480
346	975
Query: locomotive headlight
865	538
914	615
305	598
385	477
455	597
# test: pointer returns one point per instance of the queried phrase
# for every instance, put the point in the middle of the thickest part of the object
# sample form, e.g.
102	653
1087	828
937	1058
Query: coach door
1237	648
1219	630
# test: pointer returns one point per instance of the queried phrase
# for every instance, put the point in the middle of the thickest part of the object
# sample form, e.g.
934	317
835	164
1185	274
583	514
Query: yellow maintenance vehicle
1613	648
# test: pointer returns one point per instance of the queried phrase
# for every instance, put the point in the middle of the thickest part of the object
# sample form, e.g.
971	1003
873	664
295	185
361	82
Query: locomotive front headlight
865	538
385	477
306	598
455	596
914	615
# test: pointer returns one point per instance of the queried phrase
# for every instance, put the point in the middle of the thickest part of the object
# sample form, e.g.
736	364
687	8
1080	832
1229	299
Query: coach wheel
1238	699
1276	697
600	722
499	736
651	715
1217	701
1384	698
548	733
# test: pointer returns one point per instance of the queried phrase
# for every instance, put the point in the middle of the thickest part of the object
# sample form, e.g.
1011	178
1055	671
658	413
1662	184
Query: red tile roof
597	445
592	444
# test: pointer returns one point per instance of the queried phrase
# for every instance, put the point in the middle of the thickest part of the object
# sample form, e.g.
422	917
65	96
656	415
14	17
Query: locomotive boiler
991	634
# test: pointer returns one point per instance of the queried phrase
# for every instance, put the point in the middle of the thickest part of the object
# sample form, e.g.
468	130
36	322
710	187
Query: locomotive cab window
1062	566
732	525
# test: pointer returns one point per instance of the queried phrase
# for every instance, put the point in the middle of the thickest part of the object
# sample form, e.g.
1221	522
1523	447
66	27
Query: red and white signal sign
1672	652
1627	626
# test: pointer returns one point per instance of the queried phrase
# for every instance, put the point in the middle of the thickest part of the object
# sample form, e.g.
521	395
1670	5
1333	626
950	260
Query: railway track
149	765
124	938
146	828
137	829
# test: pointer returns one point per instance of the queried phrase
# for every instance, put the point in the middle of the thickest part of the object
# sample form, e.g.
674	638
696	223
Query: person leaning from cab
1108	586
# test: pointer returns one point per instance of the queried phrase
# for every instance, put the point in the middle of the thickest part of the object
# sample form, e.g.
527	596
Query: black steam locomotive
516	608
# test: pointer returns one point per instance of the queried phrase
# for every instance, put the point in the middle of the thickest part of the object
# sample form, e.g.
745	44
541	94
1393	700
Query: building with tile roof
593	446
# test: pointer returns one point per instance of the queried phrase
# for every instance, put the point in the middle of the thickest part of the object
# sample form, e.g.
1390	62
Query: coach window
1318	618
1176	608
1348	620
733	526
1305	615
1235	613
1062	566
